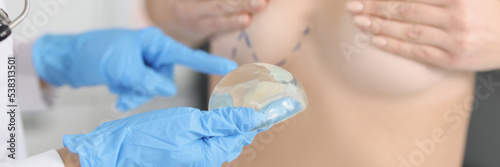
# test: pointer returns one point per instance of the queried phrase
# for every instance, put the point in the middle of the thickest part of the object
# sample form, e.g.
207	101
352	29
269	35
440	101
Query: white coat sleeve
31	97
47	159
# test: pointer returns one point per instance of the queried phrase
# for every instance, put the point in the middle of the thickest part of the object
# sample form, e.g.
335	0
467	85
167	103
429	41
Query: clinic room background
81	110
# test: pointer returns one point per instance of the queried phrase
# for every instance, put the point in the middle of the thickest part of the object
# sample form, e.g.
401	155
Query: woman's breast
272	37
316	41
298	34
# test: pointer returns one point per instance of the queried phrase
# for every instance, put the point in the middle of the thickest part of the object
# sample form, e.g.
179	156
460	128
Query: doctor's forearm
70	159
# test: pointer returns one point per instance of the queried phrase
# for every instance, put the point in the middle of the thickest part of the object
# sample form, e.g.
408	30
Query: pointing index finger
161	51
204	62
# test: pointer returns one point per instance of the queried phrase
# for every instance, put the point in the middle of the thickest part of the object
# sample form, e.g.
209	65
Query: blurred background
80	110
76	111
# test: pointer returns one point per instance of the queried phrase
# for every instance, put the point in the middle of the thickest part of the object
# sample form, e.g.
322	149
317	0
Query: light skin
364	112
193	22
69	159
452	34
344	125
471	56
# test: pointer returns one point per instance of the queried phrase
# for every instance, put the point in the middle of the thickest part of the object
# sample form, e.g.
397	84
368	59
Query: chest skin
366	108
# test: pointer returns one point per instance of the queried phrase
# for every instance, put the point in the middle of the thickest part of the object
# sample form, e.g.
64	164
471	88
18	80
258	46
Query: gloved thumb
227	148
161	50
228	121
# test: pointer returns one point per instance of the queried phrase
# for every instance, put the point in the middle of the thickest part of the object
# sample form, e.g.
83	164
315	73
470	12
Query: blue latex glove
171	137
136	64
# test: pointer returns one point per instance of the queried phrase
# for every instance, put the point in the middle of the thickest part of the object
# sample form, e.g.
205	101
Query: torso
369	108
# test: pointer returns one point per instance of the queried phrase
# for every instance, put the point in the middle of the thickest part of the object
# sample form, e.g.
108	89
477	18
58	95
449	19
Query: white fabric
6	51
47	159
30	96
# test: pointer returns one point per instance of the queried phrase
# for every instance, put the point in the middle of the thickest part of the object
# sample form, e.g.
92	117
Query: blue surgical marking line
242	35
297	47
255	58
247	41
307	31
281	63
235	51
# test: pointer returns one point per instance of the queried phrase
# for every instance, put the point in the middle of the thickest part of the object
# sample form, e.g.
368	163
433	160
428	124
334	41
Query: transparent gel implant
272	91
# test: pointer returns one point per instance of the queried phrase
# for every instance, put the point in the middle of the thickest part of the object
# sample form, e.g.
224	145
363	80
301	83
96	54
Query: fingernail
379	41
243	19
231	66
255	3
362	21
354	6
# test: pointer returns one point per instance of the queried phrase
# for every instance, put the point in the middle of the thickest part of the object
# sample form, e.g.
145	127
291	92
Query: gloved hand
171	137
136	64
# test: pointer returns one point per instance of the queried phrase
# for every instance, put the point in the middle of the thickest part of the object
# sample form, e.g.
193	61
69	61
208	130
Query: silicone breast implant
272	91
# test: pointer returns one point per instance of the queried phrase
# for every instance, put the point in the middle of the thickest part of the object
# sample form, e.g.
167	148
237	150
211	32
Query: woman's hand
193	21
454	34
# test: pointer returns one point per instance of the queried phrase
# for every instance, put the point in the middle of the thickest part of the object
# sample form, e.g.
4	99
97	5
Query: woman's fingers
412	29
224	24
216	16
430	2
405	11
422	53
413	33
221	8
456	34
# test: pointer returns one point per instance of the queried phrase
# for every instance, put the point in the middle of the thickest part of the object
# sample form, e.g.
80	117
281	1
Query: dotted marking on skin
242	35
247	41
255	57
281	63
297	47
307	31
234	52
